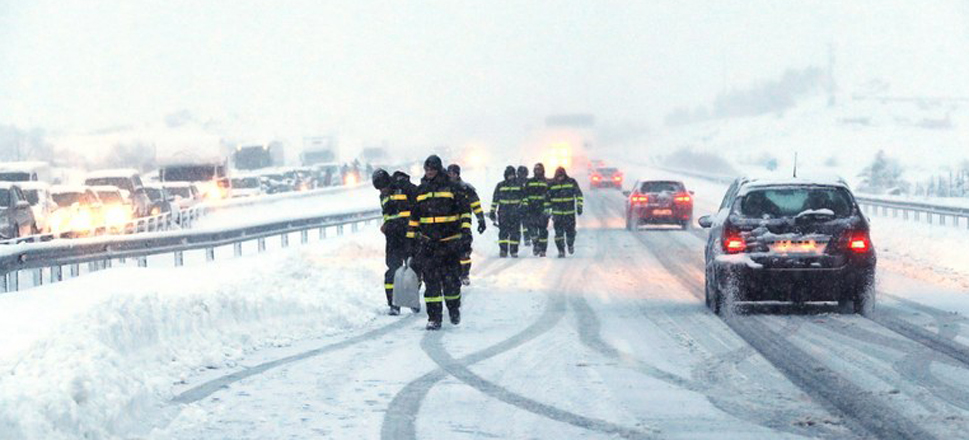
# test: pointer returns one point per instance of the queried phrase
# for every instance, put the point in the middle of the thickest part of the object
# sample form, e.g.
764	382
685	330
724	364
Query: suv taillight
639	198
682	198
859	242
733	242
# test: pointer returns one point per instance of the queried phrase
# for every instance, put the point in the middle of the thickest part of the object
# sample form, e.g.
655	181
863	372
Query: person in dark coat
396	199
566	200
440	232
506	210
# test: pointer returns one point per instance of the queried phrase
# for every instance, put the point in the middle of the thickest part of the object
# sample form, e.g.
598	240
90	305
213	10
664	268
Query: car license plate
801	247
662	212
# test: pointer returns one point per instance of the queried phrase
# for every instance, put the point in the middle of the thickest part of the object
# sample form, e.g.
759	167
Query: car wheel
864	301
846	306
685	225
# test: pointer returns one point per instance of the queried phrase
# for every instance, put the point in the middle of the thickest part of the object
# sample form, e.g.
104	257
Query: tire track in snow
400	419
869	415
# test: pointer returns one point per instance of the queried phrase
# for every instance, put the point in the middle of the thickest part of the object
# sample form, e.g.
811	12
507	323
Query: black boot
433	325
571	249
394	311
455	315
561	253
503	254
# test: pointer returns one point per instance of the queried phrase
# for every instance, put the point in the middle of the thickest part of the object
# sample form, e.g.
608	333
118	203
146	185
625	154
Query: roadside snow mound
97	357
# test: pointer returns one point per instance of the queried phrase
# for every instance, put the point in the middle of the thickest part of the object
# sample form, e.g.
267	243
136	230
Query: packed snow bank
98	356
338	201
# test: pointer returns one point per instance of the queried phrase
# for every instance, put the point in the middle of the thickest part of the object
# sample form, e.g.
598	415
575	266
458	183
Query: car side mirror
23	204
627	193
705	222
692	193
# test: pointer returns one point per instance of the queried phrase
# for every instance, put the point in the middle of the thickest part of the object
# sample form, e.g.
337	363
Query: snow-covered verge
99	356
344	200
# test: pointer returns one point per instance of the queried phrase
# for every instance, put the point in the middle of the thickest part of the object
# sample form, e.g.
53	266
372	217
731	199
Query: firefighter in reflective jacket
537	209
469	196
441	232
506	202
396	199
567	201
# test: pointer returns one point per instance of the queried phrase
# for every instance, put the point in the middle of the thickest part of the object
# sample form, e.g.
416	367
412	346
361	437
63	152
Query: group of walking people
430	225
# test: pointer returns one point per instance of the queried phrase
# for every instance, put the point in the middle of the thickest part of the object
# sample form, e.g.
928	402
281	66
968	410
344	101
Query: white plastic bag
407	288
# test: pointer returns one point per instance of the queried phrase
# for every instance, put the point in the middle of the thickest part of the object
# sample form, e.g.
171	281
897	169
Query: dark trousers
396	252
564	230
466	261
538	230
441	269
509	231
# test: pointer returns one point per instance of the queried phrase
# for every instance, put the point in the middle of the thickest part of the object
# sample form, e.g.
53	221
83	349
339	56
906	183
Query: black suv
793	240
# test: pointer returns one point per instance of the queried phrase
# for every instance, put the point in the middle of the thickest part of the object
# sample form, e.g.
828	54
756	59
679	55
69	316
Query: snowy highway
614	342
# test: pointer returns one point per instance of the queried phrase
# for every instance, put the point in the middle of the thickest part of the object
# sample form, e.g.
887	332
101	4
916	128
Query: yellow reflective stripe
388	286
451	238
438	195
465	261
433	299
384	201
398	197
411	235
402	214
478	203
562	199
563	212
466	225
452	297
448	219
466	215
510	188
509	201
478	210
412	223
537	184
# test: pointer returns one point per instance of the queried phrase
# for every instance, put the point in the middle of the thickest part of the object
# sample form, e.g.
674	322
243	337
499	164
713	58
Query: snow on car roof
60	189
34	185
23	166
177	184
119	172
754	183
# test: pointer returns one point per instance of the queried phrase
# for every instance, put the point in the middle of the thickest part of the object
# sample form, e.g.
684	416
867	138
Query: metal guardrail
916	211
51	258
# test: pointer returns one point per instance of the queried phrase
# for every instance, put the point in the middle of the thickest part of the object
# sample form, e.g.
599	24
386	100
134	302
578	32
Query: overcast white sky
442	71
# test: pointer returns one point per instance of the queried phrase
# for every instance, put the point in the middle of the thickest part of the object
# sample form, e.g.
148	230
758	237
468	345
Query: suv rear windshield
33	196
658	187
109	197
607	170
792	201
245	182
191	173
15	176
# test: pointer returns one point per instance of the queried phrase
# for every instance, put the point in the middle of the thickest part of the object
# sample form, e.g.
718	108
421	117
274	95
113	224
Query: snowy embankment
99	356
320	202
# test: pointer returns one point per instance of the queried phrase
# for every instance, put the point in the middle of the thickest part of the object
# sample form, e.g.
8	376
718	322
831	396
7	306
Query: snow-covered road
613	343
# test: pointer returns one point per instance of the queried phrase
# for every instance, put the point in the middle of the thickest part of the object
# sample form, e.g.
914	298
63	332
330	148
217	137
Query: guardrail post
323	233
941	219
179	259
93	266
304	236
284	240
354	227
895	212
237	248
106	263
143	261
38	277
928	215
12	281
339	229
210	254
75	270
917	214
56	274
122	260
261	244
904	214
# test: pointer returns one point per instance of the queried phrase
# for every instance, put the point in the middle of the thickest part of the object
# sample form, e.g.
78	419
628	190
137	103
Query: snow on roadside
360	198
98	356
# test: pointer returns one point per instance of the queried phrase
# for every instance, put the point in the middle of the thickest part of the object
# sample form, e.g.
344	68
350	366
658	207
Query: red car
605	178
659	202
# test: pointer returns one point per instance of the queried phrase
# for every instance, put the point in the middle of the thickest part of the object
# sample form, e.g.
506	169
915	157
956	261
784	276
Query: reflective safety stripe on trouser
395	254
509	234
442	278
564	231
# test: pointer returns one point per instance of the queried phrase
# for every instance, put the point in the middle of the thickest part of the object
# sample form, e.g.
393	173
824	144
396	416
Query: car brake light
596	178
859	242
733	242
640	199
682	198
617	178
